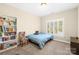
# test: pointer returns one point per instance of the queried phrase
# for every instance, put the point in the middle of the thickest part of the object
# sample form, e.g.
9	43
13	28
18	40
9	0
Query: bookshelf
7	33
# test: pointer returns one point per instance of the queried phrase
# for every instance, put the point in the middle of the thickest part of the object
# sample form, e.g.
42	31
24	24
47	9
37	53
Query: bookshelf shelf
9	41
8	48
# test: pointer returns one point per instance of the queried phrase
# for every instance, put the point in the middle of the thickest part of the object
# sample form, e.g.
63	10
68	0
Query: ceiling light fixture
43	4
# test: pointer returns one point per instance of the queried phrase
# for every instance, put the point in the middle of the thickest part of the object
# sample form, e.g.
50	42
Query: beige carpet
51	48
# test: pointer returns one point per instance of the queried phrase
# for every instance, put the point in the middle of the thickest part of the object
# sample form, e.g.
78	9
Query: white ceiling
38	10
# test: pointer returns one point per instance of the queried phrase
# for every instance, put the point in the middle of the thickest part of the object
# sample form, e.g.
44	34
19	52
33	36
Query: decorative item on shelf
10	44
1	21
6	34
1	30
1	46
0	39
14	43
6	45
13	33
10	29
6	38
12	37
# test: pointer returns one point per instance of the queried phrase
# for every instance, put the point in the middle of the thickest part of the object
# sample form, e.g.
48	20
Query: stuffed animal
22	38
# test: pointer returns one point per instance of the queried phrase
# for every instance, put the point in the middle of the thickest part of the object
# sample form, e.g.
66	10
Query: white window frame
56	20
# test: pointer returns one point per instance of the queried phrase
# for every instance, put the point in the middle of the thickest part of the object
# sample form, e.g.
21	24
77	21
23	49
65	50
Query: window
56	26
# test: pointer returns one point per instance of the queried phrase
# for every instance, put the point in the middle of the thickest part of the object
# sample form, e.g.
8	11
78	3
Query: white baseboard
62	41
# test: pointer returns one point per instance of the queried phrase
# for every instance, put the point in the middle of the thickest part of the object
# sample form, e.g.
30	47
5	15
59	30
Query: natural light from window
56	26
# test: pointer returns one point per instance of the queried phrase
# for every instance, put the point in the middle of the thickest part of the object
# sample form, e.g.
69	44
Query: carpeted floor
51	48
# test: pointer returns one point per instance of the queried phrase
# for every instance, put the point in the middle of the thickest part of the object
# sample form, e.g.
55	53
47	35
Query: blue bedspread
40	39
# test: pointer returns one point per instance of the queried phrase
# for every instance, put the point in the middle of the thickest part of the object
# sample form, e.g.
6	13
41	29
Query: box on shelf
7	45
5	38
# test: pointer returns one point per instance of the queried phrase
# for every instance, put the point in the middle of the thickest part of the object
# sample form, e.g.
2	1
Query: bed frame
38	44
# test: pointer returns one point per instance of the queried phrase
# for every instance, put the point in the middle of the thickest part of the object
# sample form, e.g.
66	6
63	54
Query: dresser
74	44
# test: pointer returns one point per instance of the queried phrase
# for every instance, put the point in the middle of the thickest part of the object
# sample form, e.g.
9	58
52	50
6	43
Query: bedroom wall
30	23
25	21
70	23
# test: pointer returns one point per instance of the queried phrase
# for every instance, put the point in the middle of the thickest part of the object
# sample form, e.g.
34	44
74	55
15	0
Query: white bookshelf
8	29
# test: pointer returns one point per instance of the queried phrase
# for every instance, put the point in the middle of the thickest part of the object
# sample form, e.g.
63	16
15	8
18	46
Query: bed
40	39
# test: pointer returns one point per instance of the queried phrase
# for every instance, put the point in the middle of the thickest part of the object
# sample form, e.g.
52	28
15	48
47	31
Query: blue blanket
40	39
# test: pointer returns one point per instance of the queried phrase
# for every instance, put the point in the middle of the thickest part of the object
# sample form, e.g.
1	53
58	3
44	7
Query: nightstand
74	44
